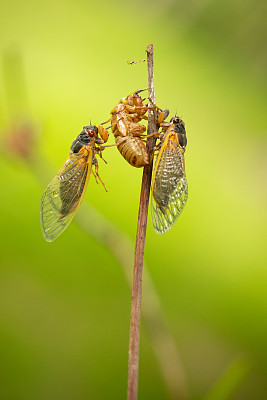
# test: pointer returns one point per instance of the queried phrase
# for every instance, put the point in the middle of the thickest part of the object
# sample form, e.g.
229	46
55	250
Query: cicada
65	193
128	132
169	185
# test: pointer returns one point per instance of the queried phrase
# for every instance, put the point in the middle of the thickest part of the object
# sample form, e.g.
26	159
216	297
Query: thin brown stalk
133	363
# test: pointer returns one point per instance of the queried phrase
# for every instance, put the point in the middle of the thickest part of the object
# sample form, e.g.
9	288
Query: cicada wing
63	196
163	218
169	187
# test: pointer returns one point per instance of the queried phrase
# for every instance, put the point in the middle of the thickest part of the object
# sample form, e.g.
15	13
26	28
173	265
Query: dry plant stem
133	363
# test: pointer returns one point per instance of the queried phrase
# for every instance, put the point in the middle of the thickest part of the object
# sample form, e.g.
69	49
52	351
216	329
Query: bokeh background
65	306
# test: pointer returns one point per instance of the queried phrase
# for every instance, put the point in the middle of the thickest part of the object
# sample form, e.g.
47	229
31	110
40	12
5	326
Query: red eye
176	120
91	133
84	127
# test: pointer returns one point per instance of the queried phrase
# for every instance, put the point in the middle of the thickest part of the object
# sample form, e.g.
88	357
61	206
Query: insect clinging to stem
169	190
128	132
65	193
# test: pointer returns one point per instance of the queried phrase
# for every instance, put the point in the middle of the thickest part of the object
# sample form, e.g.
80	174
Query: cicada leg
138	91
103	123
108	145
156	148
163	115
103	132
162	112
99	151
95	173
133	108
156	134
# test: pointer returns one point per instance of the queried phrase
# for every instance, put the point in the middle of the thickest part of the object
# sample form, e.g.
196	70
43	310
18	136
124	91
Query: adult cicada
169	186
64	194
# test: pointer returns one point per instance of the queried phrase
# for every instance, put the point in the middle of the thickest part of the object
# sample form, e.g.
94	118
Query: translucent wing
169	187
62	197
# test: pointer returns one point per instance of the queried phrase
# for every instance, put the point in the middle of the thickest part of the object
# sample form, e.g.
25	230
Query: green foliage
230	381
65	306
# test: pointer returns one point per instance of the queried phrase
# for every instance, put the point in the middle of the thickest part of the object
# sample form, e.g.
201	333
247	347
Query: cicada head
128	100
175	120
133	99
84	138
90	130
137	100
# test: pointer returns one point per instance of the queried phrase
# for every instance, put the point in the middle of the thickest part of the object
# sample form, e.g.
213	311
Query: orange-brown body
127	130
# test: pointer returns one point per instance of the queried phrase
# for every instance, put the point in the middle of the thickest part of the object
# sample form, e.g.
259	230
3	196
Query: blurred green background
65	306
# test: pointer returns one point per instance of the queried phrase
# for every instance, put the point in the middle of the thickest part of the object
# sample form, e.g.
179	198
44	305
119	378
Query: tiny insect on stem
135	62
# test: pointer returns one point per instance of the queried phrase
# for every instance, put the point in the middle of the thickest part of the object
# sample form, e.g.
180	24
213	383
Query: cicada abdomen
133	150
